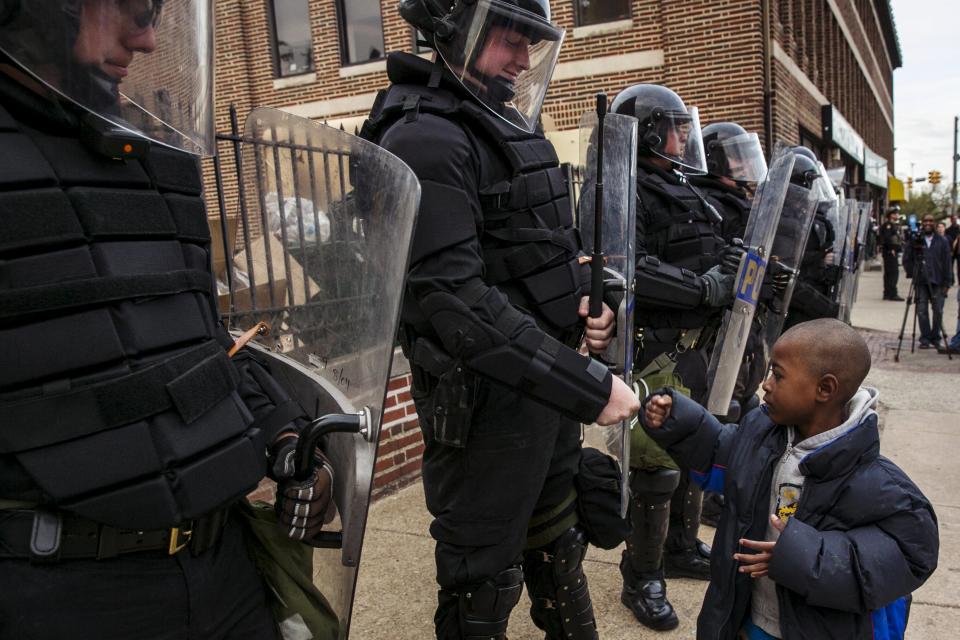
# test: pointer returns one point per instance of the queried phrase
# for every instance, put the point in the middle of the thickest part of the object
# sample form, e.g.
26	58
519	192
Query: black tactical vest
731	203
530	246
679	228
117	399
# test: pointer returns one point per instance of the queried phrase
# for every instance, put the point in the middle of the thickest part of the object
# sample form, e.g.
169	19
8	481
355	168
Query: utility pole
953	187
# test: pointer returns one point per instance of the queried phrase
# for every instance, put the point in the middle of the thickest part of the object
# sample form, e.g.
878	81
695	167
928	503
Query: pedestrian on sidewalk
926	258
842	537
891	244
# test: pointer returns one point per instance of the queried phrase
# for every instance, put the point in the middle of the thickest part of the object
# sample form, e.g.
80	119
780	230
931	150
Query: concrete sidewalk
920	414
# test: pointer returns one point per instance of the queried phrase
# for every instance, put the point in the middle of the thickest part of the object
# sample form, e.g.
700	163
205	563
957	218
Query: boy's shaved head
830	346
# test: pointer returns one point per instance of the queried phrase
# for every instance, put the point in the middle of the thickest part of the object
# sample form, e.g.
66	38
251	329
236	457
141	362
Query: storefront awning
895	190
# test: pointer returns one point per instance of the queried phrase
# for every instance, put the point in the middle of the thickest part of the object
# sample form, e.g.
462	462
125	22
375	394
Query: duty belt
46	535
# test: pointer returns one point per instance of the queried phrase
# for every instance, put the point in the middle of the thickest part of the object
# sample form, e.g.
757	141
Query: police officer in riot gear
735	164
891	244
812	294
681	290
492	317
128	432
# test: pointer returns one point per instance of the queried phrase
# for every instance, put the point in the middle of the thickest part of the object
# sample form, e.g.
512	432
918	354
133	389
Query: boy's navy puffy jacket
863	537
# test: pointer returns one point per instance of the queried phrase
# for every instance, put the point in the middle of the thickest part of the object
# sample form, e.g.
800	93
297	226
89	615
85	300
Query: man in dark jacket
891	244
842	536
927	259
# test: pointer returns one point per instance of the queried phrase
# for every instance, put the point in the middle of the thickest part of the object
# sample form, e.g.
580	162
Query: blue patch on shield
751	278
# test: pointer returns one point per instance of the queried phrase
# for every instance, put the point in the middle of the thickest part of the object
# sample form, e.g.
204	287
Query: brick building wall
710	51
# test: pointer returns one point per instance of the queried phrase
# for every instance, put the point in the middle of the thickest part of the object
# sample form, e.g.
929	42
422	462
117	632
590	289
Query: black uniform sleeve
474	322
659	284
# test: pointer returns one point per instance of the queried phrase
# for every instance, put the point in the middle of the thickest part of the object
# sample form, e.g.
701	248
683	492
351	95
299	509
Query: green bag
644	452
286	565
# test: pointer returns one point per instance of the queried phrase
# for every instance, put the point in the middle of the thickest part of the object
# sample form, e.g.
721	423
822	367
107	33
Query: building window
293	47
361	31
599	11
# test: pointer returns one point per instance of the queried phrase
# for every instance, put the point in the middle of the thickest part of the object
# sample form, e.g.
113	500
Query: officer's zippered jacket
862	539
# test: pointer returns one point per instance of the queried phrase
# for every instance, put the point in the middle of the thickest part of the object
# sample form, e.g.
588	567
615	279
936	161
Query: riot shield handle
596	259
322	426
304	461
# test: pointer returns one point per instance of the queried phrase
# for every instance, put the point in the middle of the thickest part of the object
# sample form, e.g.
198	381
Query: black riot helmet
502	51
805	171
666	128
119	61
733	153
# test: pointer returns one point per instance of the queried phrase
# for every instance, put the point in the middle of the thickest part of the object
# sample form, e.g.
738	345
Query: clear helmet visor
504	56
745	161
825	190
144	65
677	137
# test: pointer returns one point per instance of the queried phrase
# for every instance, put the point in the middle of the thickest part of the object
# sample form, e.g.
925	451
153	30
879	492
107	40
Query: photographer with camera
926	258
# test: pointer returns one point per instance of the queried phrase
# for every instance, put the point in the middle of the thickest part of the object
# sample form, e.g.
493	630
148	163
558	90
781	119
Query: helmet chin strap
92	88
496	89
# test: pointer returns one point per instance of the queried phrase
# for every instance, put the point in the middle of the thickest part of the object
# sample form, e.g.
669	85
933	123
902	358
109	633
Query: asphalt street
920	418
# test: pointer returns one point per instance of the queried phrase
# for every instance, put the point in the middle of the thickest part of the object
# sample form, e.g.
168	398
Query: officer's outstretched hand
599	330
657	410
623	404
303	506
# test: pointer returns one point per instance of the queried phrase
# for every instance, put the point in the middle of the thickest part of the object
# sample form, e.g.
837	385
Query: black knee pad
559	596
484	609
654	486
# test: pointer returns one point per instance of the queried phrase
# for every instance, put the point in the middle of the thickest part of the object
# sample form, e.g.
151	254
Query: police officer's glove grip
731	256
303	500
716	287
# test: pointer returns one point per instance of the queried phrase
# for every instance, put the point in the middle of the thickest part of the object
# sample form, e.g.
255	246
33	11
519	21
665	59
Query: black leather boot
684	556
644	589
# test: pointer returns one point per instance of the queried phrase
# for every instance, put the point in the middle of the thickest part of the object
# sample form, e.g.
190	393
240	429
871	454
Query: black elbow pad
658	284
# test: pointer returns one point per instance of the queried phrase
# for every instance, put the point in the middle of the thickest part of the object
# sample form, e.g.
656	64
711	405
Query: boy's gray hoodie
785	494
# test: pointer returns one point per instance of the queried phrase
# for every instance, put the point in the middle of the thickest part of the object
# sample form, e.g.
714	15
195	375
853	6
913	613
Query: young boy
821	537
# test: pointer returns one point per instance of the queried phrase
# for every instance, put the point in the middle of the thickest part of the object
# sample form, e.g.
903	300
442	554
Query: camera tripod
917	265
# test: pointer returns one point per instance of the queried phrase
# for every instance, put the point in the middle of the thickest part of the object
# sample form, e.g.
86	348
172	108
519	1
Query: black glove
731	255
776	279
716	287
303	506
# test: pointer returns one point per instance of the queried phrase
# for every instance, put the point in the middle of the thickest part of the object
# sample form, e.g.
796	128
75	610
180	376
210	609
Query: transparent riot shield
324	235
848	264
840	235
727	355
796	219
619	220
865	212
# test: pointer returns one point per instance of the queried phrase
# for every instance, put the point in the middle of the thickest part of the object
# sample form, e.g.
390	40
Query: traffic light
910	183
934	177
